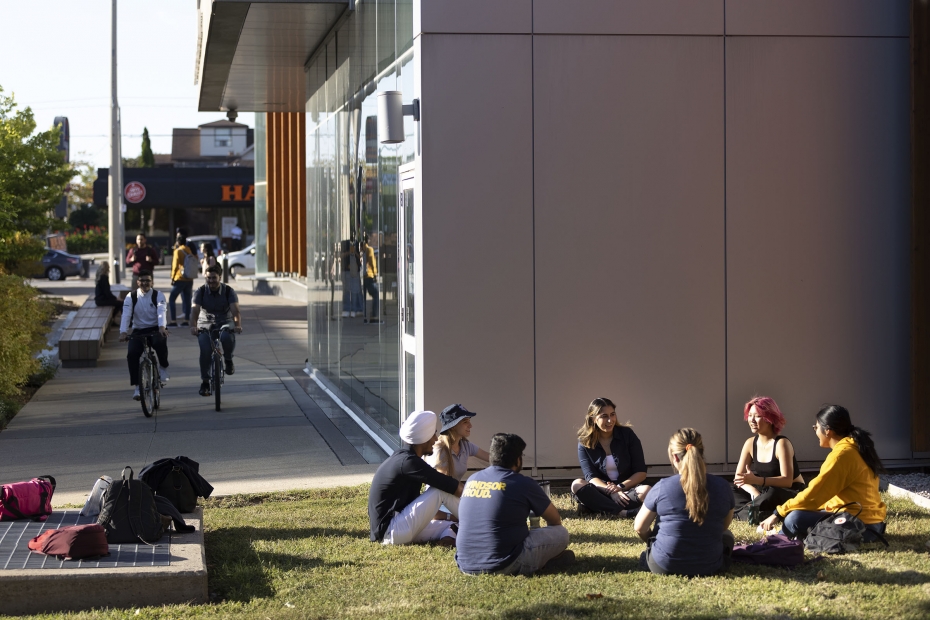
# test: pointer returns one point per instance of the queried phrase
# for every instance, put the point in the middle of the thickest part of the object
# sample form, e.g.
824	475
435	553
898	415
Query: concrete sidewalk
271	435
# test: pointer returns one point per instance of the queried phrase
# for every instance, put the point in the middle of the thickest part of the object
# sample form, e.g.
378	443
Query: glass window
222	137
352	195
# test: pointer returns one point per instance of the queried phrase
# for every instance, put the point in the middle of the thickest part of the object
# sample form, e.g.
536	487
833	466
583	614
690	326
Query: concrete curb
920	500
36	591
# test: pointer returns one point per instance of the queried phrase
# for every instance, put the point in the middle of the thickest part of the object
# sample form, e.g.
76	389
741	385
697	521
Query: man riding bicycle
144	314
220	306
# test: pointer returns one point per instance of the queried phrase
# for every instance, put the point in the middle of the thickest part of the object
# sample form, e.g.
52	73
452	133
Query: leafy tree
22	332
87	215
82	184
33	174
147	159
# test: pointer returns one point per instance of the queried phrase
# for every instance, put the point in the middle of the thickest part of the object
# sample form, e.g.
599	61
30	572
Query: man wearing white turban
397	512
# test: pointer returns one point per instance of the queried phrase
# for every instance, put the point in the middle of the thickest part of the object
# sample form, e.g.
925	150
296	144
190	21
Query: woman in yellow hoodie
850	474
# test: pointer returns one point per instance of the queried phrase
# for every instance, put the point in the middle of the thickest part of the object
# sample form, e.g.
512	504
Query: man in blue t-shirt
493	536
220	308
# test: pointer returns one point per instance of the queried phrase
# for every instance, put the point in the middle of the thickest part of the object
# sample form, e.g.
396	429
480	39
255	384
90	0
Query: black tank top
772	469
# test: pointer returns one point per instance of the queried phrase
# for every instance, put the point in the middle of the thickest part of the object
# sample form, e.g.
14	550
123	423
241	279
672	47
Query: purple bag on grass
775	550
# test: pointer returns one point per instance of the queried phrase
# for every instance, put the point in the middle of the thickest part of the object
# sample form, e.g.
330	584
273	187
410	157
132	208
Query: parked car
58	265
213	240
243	259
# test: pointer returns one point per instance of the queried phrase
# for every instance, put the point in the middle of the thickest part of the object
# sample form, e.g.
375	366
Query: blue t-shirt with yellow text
492	518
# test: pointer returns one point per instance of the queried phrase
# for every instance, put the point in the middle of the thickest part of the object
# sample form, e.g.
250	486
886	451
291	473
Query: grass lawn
307	555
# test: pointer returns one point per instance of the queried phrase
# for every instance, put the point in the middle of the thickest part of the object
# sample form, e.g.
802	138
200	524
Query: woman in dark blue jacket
613	464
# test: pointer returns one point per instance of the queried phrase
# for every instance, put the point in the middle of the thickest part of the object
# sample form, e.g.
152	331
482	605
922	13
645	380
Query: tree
147	159
33	175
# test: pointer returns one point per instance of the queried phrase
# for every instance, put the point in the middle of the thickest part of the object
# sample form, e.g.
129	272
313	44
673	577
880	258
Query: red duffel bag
74	542
27	500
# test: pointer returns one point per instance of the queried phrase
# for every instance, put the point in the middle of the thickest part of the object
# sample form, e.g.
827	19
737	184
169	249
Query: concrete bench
82	341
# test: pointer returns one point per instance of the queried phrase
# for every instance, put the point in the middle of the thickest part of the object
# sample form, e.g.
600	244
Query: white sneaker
345	313
352	315
164	374
136	395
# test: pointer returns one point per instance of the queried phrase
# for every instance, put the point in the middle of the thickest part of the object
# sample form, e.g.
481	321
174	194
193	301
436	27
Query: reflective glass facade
261	195
352	191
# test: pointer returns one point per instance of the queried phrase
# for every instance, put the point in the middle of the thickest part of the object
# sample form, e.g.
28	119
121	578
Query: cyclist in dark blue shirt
220	306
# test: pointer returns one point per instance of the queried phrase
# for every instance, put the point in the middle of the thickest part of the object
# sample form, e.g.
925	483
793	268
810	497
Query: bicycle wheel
217	378
146	390
156	383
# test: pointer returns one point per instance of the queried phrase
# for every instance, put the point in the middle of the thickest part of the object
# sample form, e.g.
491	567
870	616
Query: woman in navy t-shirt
694	510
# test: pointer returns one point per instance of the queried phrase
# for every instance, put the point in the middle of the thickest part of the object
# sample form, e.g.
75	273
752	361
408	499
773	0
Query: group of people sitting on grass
684	519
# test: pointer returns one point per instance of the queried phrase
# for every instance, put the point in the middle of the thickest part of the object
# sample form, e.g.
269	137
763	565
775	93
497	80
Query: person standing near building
143	257
181	284
371	275
493	537
236	235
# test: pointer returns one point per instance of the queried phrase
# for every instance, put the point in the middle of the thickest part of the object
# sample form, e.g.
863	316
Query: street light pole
116	168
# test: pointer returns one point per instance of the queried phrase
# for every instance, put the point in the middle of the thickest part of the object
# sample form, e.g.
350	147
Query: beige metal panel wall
818	233
473	16
628	17
629	222
477	234
834	18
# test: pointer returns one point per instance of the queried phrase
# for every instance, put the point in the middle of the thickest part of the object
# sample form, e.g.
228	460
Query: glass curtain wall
351	194
261	196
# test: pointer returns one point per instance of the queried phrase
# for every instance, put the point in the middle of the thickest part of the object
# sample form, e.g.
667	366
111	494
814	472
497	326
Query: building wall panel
477	234
629	238
287	192
690	17
818	233
472	16
825	18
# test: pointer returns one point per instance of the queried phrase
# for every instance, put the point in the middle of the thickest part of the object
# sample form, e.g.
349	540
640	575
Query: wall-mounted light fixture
391	113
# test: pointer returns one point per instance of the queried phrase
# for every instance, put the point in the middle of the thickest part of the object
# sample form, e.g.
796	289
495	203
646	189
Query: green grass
307	555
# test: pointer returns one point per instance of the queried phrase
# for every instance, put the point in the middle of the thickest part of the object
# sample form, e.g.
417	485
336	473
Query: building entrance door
406	282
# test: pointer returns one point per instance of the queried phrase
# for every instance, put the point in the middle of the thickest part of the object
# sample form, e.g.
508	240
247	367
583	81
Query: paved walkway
276	431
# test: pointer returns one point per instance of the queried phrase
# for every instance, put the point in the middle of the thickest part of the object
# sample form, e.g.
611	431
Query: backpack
135	298
838	532
129	514
27	500
776	550
74	542
176	487
191	266
94	502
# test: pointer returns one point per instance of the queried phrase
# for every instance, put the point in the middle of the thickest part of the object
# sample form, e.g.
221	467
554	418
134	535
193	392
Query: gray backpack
191	268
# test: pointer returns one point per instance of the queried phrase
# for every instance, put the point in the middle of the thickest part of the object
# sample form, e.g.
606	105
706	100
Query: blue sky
55	58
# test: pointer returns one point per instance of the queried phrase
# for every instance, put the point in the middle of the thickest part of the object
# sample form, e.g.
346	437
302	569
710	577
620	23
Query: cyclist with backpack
185	267
144	314
220	306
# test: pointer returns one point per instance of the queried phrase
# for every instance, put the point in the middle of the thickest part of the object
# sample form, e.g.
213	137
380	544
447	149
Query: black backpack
838	532
129	514
176	487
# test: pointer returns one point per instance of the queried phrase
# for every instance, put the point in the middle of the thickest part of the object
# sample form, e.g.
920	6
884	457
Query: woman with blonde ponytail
694	509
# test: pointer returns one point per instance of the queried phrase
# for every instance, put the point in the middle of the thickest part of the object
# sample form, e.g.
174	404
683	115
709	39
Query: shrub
89	240
23	317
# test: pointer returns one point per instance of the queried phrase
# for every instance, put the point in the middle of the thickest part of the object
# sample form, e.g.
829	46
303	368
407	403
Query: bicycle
218	370
150	382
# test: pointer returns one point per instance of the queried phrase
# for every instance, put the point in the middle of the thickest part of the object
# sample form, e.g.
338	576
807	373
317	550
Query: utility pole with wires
115	211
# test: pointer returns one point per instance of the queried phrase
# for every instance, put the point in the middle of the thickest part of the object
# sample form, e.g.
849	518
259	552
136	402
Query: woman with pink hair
767	474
